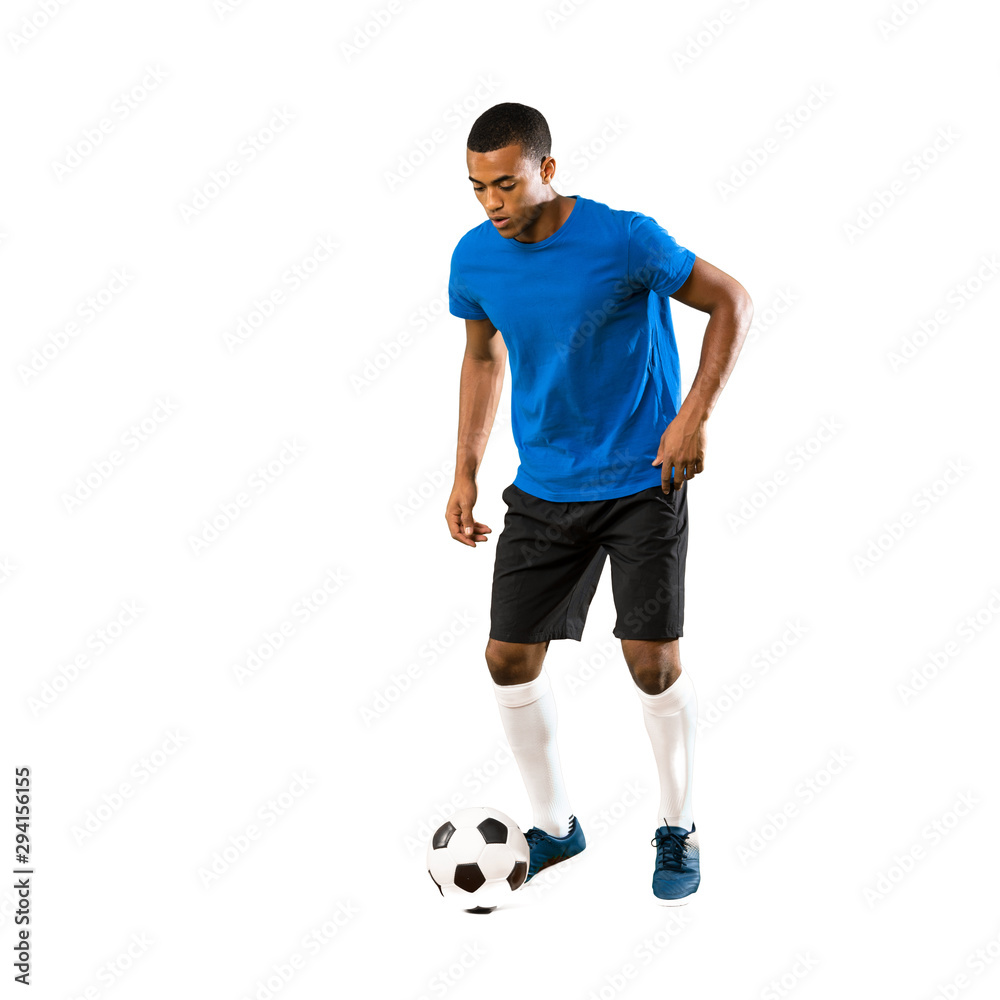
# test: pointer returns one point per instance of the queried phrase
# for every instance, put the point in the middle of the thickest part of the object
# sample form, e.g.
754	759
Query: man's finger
668	476
454	518
467	522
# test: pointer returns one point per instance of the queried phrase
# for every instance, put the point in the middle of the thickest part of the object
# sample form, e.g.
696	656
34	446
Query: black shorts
550	557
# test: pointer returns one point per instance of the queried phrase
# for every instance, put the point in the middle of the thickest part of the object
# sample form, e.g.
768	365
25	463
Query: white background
790	524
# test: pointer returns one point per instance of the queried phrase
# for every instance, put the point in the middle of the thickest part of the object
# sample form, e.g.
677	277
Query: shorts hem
538	637
667	633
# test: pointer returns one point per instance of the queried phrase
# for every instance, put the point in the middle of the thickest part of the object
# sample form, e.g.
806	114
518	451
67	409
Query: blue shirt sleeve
461	300
655	260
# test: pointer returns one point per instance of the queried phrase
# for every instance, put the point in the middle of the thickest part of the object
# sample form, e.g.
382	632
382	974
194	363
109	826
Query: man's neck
553	215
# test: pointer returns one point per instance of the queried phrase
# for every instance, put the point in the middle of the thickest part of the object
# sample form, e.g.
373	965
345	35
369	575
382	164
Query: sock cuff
516	695
670	701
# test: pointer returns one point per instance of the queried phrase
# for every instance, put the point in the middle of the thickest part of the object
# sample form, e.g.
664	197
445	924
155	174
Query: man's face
509	186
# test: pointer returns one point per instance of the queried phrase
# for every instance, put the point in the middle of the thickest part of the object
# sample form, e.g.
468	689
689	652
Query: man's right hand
461	524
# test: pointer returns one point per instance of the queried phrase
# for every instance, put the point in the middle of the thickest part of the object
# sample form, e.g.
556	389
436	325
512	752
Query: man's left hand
682	450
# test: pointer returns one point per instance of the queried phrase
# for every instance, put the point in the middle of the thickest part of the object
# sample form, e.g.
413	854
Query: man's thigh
545	571
646	538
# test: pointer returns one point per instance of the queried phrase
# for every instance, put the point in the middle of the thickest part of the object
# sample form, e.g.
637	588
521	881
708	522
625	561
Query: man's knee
515	662
654	664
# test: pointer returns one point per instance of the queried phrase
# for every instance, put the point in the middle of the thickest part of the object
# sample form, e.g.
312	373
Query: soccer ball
478	858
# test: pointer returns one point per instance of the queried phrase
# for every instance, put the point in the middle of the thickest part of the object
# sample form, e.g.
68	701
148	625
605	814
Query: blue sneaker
677	873
547	850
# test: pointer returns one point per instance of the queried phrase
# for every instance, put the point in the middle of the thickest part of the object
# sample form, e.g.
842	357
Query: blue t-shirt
585	315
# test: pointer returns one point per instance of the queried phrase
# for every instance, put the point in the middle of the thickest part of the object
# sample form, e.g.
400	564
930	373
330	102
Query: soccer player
578	294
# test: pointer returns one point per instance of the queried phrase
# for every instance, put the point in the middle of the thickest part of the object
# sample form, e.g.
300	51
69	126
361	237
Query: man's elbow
743	305
736	301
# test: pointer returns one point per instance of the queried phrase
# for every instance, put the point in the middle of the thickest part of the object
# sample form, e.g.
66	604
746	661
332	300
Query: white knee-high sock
671	719
529	717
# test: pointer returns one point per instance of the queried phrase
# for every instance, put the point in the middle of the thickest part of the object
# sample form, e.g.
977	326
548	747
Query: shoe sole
683	901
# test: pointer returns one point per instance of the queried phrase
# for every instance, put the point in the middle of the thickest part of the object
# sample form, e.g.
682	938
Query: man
578	293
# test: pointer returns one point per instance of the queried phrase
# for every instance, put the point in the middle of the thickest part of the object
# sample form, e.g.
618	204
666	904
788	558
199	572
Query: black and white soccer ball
478	858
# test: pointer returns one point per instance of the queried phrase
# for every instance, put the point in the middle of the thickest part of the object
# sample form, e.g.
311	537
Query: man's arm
730	310
479	395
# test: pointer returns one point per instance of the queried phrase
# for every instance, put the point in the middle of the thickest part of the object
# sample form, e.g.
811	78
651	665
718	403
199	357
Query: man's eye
511	188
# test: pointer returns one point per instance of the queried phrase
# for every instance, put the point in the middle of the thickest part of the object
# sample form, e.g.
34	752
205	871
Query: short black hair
507	123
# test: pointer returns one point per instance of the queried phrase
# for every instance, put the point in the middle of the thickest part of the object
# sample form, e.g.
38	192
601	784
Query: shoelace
533	836
669	850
